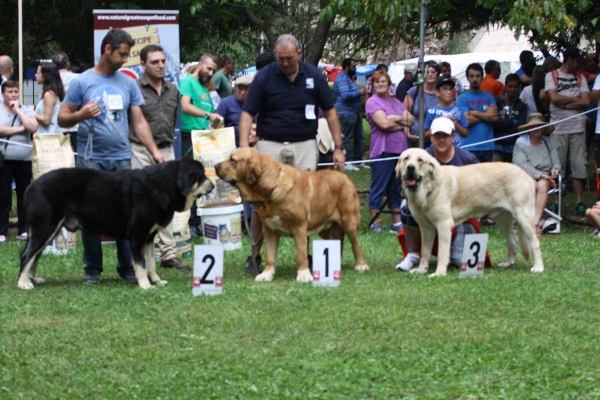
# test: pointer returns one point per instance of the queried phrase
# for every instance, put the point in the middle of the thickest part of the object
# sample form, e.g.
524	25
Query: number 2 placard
327	263
473	257
208	270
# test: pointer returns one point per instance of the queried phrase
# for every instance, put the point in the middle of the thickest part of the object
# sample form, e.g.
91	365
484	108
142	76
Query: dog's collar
264	203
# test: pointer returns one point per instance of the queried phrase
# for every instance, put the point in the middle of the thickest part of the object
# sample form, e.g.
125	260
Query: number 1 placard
327	263
473	257
208	270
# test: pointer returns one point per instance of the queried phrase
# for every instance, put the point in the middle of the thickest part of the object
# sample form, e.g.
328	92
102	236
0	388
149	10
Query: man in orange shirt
490	83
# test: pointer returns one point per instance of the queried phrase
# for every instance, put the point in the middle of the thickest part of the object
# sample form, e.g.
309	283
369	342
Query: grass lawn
380	335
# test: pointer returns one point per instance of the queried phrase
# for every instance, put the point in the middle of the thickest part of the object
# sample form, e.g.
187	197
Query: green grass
380	335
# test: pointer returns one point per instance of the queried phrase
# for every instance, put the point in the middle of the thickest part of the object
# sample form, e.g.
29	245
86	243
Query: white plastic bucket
222	225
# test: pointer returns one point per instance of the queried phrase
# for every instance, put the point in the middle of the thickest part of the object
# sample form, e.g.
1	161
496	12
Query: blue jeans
383	181
353	132
92	246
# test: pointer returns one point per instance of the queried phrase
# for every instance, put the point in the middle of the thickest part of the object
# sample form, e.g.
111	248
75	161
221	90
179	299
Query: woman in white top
53	92
17	122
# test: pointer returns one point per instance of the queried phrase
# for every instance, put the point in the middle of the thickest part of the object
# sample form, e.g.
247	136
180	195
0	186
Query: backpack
555	77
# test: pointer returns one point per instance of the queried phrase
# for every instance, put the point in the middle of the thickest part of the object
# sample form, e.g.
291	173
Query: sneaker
196	231
351	167
2	239
128	276
253	264
396	229
487	222
92	278
580	209
23	236
175	263
411	261
376	228
362	165
549	225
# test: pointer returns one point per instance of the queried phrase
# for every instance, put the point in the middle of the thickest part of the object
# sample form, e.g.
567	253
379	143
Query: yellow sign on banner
142	38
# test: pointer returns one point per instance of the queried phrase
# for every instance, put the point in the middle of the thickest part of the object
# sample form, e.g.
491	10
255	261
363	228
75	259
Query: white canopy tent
509	62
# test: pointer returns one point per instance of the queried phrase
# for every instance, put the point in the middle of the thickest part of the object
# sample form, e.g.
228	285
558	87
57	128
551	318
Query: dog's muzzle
411	178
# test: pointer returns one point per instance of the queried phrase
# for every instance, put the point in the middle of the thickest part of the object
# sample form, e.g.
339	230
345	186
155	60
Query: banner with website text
160	27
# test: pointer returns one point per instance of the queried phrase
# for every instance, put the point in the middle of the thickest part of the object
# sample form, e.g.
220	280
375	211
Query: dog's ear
399	167
187	176
433	174
253	170
434	168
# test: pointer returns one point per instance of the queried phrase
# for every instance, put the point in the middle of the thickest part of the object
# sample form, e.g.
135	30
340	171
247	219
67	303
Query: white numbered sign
327	263
473	257
208	270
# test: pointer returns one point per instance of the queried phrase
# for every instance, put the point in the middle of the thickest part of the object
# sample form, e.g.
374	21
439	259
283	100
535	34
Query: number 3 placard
208	270
327	263
473	257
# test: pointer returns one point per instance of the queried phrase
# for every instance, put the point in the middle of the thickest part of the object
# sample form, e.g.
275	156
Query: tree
550	24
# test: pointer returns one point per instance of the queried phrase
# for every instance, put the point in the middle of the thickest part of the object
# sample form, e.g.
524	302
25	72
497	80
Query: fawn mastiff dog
295	203
441	197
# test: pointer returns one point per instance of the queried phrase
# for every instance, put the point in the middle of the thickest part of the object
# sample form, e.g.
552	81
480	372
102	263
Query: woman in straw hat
536	154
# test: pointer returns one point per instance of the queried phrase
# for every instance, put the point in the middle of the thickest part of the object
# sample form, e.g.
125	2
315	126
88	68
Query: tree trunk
314	50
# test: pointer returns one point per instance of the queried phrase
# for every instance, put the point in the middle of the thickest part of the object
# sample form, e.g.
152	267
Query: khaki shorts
571	146
301	155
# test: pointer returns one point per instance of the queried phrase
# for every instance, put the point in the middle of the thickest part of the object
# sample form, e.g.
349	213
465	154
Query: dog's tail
524	242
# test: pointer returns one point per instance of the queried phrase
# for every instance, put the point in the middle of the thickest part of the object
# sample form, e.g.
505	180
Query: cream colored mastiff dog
441	197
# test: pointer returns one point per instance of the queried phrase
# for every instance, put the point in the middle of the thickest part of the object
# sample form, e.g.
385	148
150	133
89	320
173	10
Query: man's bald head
6	66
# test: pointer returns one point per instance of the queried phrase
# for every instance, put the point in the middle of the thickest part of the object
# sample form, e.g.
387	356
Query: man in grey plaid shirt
443	149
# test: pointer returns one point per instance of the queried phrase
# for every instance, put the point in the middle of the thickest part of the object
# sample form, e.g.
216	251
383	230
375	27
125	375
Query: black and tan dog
295	203
132	205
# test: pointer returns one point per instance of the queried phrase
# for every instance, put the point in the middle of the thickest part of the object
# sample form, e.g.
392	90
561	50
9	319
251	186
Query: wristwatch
207	115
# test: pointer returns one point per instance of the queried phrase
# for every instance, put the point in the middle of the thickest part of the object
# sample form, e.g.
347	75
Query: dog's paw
145	285
418	271
304	276
537	269
25	285
362	268
437	274
160	282
505	264
266	276
37	280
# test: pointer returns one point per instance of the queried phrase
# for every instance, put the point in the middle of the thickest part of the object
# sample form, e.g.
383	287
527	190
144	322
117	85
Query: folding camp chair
554	215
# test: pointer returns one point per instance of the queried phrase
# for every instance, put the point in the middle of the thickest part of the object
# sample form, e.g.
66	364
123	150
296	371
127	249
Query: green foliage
457	45
550	24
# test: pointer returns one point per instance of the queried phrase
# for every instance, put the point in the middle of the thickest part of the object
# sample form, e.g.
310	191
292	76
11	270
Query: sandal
538	230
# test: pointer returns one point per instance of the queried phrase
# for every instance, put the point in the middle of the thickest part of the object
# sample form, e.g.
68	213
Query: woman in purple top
387	117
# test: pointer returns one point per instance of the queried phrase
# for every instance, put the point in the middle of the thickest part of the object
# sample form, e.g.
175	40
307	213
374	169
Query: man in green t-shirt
196	105
197	112
221	78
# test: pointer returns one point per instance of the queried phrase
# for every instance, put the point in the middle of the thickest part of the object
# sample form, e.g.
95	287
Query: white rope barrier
473	144
395	158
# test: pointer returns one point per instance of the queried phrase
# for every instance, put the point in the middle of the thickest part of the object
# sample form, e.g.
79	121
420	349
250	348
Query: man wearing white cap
443	149
230	108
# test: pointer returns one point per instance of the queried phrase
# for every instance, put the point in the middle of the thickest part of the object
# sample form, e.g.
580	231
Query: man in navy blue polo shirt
286	95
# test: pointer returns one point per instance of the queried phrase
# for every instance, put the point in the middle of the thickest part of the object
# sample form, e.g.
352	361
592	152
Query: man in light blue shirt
349	105
480	110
